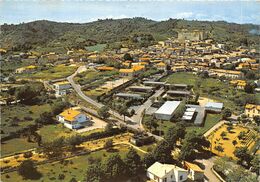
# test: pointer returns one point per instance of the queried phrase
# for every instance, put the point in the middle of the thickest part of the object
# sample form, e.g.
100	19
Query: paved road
134	125
77	89
208	163
138	115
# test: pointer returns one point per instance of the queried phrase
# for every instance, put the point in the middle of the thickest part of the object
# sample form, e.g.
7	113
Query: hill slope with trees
40	34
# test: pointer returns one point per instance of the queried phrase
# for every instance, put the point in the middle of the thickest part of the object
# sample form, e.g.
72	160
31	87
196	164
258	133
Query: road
77	89
138	115
208	163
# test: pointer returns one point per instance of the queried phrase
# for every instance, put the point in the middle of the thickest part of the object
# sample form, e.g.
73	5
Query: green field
98	47
56	72
75	167
210	88
210	121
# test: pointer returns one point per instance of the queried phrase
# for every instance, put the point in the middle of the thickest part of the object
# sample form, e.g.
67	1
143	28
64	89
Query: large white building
166	173
166	111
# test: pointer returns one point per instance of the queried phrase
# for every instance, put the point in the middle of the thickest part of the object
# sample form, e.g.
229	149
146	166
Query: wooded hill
42	34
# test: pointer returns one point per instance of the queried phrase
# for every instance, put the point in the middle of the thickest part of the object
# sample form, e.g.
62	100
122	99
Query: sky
82	11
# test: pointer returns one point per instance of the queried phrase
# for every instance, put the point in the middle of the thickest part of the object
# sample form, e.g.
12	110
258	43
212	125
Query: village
187	108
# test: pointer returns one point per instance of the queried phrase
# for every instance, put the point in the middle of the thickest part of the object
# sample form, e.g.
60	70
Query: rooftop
168	107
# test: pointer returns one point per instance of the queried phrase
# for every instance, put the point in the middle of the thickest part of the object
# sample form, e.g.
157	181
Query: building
227	73
72	118
178	93
193	35
134	71
26	69
214	107
141	89
166	173
252	110
194	171
105	68
166	111
61	88
189	114
141	139
129	96
161	66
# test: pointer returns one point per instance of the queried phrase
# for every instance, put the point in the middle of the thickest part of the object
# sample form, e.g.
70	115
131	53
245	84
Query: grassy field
21	112
98	47
210	121
75	167
227	142
16	145
210	88
56	72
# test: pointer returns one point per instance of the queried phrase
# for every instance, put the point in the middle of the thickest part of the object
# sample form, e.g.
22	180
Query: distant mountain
53	34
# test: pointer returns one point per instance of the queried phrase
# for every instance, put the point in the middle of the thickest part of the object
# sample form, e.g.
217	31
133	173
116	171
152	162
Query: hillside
41	34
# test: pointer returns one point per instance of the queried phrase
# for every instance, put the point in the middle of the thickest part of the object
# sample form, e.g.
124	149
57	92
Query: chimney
165	171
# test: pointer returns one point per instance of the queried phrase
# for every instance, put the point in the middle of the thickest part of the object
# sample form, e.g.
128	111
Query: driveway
208	163
96	123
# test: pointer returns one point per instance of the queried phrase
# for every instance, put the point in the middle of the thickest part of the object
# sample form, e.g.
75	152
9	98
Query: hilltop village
183	109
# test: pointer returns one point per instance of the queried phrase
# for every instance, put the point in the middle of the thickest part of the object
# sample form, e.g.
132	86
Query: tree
240	174
162	152
127	57
114	167
226	113
242	154
45	118
219	148
257	120
223	134
27	154
108	144
255	164
54	148
133	162
27	169
171	136
250	75
95	173
109	127
103	112
148	159
73	141
123	111
26	94
249	88
58	107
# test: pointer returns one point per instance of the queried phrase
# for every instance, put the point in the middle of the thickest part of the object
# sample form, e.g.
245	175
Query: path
208	163
213	128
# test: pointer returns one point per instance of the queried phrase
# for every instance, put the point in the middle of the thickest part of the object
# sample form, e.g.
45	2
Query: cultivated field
227	141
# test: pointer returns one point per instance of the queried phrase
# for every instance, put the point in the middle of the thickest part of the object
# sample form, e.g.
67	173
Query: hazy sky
17	11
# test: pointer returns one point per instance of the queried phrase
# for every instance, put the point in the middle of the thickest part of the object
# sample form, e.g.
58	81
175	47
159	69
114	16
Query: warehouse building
166	111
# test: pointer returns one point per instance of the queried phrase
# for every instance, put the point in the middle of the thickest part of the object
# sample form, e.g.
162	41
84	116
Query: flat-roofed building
227	73
153	83
129	96
141	88
214	106
166	111
178	93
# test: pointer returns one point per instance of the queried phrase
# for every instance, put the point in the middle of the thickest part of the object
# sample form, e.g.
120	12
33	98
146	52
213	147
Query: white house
72	118
166	173
194	171
166	111
61	88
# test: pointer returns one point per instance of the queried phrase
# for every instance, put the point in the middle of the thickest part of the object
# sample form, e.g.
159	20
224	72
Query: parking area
95	123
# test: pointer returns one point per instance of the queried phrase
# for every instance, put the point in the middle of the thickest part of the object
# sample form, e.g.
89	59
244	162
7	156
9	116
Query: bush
28	118
27	154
